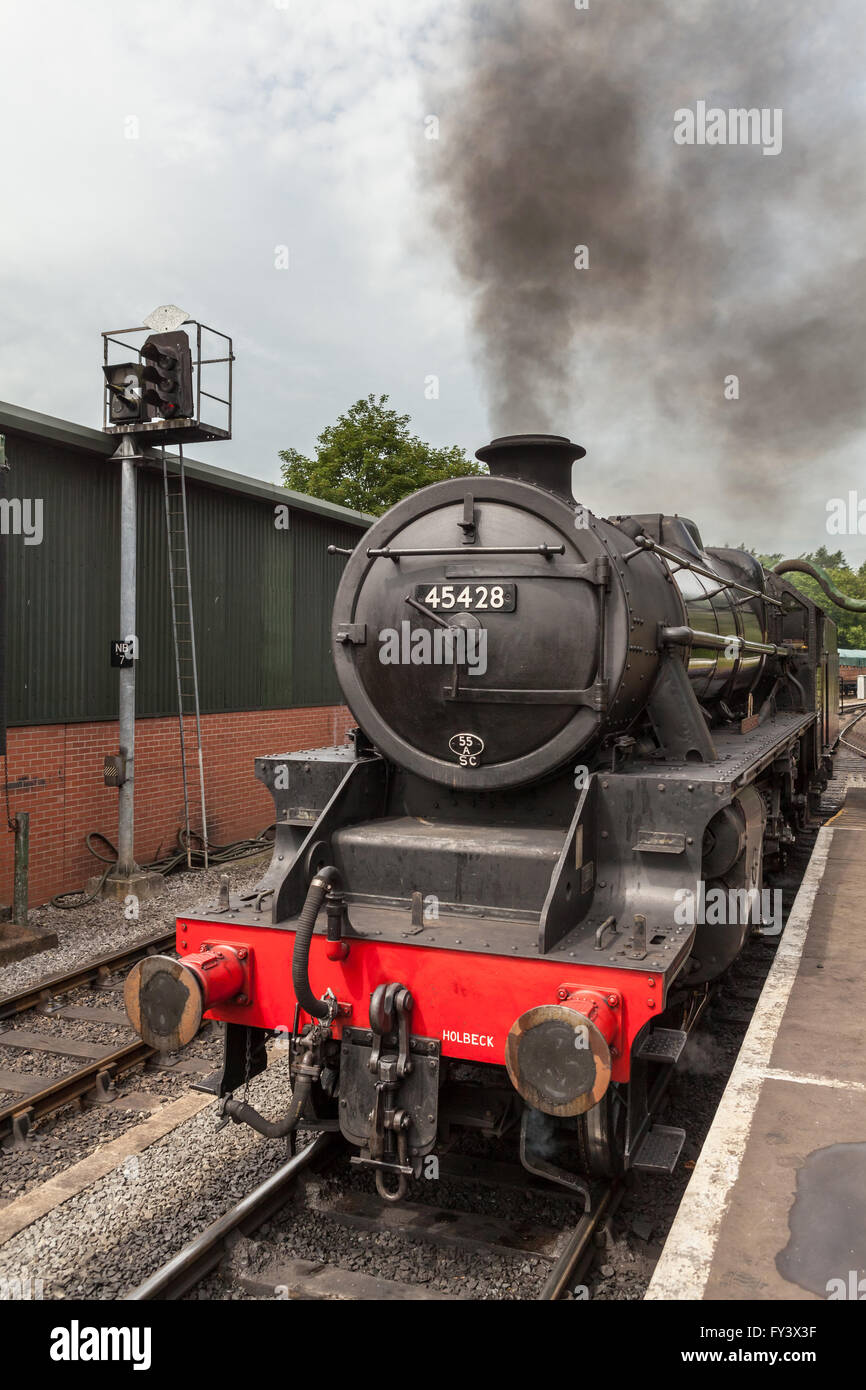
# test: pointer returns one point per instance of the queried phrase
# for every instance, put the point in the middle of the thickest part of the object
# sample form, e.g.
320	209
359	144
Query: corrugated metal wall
62	602
316	575
262	596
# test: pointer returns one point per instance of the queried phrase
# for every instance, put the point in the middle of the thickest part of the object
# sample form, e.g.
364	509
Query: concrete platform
776	1206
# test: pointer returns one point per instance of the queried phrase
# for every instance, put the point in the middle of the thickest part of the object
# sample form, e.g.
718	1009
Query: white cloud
262	125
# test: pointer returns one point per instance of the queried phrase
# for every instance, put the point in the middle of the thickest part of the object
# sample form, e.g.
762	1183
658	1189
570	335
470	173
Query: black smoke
556	130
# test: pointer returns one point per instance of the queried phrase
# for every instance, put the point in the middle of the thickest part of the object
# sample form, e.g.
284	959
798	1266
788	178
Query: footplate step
662	1045
659	1150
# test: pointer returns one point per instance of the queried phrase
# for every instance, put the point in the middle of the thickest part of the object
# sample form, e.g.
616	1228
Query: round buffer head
164	1002
558	1061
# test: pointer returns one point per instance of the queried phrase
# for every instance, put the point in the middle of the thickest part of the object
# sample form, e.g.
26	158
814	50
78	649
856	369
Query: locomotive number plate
489	597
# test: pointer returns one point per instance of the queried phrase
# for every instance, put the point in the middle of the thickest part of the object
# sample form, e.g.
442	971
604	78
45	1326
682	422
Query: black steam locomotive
580	741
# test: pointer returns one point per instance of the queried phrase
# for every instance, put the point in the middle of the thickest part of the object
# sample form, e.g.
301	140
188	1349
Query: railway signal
169	369
167	374
124	391
149	402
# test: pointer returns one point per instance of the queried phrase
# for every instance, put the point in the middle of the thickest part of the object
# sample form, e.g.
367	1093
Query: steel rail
575	1254
203	1253
63	1090
845	742
200	1255
856	715
53	985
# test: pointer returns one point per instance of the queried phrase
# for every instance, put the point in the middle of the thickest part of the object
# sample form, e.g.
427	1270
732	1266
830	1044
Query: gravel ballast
85	934
100	927
107	1239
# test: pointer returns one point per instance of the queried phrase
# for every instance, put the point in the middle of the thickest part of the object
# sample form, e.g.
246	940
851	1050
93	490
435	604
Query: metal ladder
183	633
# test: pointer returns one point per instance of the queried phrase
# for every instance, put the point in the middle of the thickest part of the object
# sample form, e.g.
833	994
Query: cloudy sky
166	152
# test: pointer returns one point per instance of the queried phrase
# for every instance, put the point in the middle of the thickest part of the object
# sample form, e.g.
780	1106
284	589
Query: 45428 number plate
487	597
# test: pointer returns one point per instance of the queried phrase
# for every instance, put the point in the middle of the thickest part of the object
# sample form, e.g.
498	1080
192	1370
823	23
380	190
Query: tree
368	460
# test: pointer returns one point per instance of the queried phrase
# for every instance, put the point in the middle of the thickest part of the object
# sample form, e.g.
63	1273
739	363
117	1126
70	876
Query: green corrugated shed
316	575
262	596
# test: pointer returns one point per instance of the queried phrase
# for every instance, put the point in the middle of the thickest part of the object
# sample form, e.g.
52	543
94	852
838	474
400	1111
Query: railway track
235	1251
563	1250
852	739
37	1096
95	972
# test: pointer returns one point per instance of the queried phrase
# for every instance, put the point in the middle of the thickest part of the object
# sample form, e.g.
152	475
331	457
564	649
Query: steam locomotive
489	910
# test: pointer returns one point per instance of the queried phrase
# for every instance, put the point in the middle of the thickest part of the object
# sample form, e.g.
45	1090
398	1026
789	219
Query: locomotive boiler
488	910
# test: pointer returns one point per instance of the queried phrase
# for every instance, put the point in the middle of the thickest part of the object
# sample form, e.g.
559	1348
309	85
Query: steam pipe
691	637
323	881
792	679
242	1113
853	605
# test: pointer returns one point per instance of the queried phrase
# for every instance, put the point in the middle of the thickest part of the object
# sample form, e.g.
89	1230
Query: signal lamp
167	376
125	391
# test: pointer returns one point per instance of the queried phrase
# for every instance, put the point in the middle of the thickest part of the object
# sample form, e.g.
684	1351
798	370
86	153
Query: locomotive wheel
591	1145
601	1137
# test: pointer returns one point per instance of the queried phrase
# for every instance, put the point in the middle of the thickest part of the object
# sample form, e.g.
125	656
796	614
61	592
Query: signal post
153	398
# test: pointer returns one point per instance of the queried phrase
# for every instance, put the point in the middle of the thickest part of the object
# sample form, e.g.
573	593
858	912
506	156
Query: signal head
168	374
123	380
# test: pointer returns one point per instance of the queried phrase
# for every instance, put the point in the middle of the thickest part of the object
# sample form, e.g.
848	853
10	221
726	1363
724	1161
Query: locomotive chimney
542	459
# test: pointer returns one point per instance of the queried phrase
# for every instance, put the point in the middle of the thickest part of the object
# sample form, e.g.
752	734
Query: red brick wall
55	773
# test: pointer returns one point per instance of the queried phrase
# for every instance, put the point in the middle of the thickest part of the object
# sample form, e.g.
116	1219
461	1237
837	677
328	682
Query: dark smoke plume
704	261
